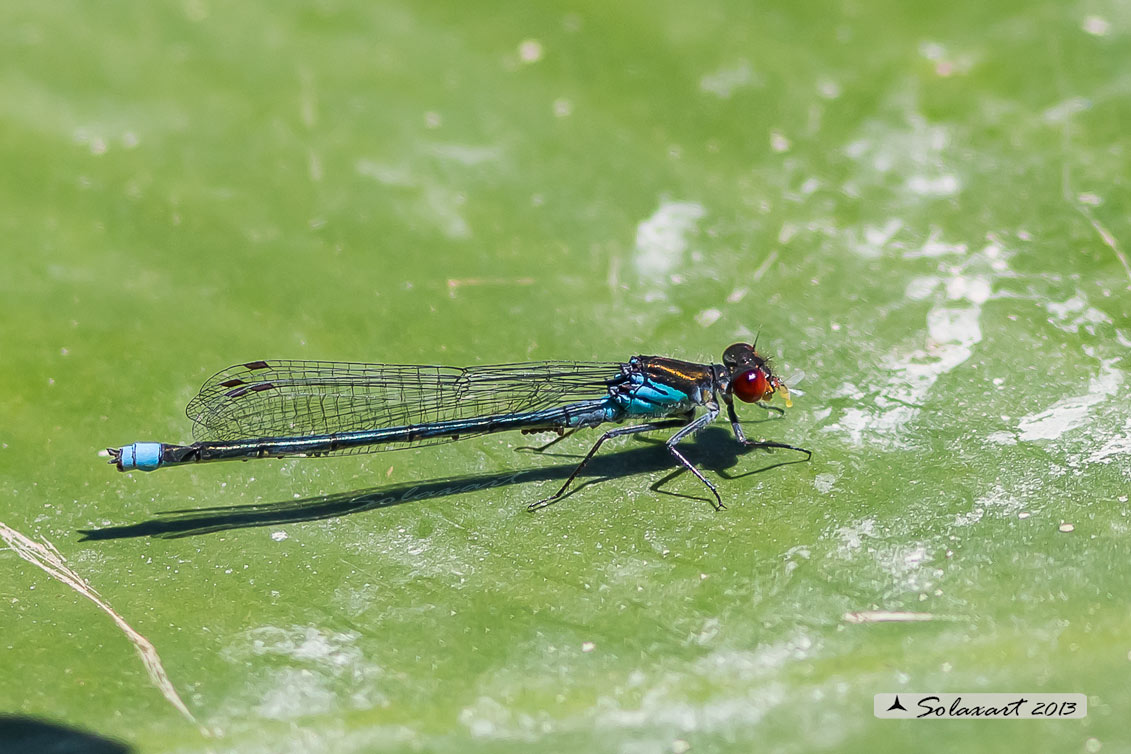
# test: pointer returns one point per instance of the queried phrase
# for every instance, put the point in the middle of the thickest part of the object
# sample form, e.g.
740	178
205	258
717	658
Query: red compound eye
751	386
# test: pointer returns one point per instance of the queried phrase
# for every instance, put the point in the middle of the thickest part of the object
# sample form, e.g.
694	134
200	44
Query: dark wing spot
231	383
263	386
256	365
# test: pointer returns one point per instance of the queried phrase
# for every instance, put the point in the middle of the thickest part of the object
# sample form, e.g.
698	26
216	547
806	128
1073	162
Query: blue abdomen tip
143	456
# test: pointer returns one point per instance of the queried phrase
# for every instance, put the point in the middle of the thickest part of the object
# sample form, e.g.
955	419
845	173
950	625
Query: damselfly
279	409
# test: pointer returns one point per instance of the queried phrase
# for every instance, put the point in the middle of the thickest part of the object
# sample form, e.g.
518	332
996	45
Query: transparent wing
297	398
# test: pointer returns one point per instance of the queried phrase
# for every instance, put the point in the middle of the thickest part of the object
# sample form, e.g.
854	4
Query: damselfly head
751	379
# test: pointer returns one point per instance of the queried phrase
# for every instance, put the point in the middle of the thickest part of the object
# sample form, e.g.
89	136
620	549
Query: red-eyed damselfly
281	409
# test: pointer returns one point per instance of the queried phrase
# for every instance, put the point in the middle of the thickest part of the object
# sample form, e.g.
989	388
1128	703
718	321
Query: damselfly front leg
739	435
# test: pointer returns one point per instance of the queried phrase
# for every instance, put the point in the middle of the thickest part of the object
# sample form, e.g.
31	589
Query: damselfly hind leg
592	451
542	448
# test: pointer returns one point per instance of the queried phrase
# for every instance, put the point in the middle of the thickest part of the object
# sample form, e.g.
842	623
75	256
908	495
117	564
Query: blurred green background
920	208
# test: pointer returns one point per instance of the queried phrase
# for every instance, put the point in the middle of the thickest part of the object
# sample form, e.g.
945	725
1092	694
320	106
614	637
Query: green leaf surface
920	211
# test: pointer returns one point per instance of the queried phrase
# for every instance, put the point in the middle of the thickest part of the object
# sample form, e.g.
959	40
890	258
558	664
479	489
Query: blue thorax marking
648	398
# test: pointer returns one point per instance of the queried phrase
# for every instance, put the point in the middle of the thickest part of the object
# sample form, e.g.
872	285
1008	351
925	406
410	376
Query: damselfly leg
686	430
620	432
690	429
542	448
739	435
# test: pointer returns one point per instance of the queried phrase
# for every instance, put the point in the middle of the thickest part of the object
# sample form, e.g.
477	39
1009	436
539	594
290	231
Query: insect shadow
714	450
